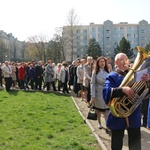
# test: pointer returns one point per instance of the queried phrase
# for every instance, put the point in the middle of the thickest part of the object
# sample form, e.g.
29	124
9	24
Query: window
78	43
78	37
115	29
85	43
100	29
121	35
128	35
78	31
135	29
135	35
129	28
143	38
107	31
84	31
121	29
143	31
93	29
108	38
115	36
84	37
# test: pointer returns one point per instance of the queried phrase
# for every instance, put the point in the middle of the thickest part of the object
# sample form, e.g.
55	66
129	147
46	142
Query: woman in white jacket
97	81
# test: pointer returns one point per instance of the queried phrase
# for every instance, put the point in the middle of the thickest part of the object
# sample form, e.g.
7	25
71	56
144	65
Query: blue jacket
114	80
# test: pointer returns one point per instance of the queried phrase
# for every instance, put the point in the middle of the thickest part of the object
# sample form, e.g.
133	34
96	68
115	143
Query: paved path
102	137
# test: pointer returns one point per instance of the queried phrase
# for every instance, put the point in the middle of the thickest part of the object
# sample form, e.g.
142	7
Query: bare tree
60	43
37	47
69	31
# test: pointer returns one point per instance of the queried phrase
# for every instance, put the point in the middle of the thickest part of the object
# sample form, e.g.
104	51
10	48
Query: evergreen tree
147	47
124	47
117	49
94	48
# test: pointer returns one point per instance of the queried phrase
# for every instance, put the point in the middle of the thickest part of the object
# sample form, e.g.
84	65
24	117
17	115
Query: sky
26	18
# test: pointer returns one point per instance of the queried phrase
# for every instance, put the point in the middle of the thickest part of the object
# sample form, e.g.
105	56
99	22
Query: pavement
102	137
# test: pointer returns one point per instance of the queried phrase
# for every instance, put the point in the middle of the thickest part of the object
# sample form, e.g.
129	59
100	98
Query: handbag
92	114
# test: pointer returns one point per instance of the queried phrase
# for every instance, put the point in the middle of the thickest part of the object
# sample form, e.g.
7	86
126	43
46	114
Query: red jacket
21	73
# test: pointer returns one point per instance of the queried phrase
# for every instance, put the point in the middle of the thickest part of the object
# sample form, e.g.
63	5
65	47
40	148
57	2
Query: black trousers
144	111
134	139
88	93
38	83
8	83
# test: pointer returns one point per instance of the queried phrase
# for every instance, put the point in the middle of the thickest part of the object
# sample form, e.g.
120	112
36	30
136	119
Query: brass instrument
123	106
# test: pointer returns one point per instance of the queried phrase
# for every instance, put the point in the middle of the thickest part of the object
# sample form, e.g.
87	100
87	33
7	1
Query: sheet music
138	74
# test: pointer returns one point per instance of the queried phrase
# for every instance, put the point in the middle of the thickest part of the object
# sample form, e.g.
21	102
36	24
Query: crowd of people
95	81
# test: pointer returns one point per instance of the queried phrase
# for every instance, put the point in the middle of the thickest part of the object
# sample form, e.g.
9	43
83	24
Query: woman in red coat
21	75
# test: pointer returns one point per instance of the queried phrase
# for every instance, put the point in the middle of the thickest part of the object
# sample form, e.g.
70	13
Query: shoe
99	126
108	131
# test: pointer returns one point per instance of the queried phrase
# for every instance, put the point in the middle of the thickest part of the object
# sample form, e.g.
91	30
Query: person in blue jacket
118	125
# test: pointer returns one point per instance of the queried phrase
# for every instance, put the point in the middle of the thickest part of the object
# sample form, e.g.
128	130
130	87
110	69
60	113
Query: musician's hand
145	77
128	91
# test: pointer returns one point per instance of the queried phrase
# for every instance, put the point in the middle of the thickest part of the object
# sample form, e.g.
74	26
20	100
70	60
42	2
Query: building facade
108	35
10	48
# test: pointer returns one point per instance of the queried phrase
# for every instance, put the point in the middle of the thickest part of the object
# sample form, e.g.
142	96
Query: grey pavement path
100	134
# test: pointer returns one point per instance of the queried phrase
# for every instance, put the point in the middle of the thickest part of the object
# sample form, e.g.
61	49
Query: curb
101	144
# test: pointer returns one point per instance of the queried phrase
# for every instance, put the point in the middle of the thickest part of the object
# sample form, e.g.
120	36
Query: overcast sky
25	18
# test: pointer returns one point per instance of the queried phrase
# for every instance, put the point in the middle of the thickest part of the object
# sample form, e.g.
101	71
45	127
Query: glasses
124	60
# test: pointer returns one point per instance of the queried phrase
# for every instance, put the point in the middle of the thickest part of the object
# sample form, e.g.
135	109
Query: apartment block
108	35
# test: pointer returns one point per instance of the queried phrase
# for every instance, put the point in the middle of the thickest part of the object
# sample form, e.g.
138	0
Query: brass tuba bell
123	106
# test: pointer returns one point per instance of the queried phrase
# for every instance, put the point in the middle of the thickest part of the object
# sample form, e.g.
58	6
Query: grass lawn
42	121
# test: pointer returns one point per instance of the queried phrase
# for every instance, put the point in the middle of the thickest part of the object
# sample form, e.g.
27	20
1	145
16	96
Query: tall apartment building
108	35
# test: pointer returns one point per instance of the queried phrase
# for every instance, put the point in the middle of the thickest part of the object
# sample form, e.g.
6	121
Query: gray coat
97	82
87	74
63	74
49	73
80	73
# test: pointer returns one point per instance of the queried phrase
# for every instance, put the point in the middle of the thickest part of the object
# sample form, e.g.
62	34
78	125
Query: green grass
42	121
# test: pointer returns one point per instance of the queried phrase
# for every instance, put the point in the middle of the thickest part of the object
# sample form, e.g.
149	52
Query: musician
118	125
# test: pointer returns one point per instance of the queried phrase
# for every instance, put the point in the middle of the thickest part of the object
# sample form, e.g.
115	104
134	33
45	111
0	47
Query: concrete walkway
102	137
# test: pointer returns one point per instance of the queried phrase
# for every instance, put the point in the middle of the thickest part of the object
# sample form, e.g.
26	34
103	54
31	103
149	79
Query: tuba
123	106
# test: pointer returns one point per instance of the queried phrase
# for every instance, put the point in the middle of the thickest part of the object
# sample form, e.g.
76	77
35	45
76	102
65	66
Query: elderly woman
49	76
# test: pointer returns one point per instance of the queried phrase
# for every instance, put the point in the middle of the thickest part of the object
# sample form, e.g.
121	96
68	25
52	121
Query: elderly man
7	75
88	69
118	125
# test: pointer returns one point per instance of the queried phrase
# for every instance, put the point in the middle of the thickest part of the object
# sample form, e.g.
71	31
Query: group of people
97	82
34	76
100	82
